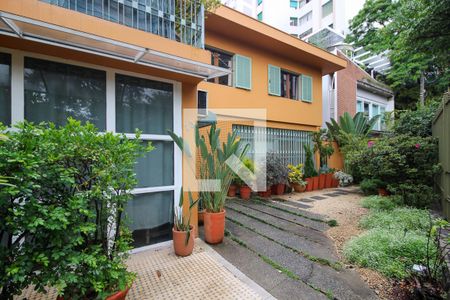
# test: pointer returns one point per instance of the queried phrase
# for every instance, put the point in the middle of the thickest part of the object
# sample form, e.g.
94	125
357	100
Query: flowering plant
344	178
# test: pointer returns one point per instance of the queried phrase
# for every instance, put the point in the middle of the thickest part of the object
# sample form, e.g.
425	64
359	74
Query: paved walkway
283	248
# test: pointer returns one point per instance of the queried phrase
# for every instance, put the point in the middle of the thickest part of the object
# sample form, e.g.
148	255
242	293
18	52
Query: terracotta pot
117	296
328	180
278	189
214	227
245	192
322	179
265	194
335	182
179	242
315	183
383	192
309	184
232	190
298	187
201	217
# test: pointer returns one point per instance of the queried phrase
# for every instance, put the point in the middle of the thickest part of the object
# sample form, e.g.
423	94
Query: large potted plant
183	240
277	174
296	178
310	172
213	166
325	150
73	185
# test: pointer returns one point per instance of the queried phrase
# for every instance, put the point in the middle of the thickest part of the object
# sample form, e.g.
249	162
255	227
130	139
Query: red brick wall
346	87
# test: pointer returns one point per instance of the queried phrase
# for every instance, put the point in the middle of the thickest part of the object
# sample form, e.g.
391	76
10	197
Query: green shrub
416	122
371	186
391	252
414	194
381	203
69	187
309	169
400	219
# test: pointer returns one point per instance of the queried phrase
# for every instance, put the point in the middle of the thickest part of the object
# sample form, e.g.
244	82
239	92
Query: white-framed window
45	88
293	21
371	109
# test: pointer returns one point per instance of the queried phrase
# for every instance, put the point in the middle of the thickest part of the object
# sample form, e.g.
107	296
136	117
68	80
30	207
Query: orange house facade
130	64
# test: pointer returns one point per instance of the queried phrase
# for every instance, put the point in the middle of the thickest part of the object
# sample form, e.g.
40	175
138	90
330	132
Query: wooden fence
441	130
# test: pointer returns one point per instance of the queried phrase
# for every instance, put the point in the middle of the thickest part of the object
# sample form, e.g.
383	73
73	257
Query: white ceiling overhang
42	32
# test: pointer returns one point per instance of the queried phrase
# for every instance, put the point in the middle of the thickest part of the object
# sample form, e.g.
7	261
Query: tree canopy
416	35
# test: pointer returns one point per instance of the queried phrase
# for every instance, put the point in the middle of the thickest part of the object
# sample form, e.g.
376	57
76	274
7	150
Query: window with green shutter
274	80
242	72
307	88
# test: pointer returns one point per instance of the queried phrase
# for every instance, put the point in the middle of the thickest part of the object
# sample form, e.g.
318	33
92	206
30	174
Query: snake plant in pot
183	240
213	166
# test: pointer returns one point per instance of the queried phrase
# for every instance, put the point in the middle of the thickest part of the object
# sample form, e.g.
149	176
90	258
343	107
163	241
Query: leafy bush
416	122
381	203
344	178
65	206
391	252
276	171
400	219
371	186
405	163
296	174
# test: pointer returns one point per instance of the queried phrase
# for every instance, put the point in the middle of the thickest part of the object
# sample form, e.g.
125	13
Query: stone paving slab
293	228
284	237
291	203
318	197
344	284
276	283
295	210
320	226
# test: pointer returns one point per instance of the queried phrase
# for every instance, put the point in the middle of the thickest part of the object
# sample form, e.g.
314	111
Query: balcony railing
179	20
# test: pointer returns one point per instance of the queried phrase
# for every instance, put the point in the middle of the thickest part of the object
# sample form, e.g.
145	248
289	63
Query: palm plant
180	223
360	125
213	165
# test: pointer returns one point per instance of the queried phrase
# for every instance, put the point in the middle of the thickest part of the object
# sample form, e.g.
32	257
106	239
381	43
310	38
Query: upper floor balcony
178	20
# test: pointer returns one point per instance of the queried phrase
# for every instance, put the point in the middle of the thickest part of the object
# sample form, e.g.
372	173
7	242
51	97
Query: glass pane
143	104
55	91
156	167
5	88
151	218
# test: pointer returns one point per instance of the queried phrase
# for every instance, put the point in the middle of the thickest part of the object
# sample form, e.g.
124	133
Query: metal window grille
285	143
179	20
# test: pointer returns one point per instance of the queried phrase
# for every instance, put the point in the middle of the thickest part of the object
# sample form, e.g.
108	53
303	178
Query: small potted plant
279	172
244	190
310	172
296	178
201	210
344	178
183	240
233	187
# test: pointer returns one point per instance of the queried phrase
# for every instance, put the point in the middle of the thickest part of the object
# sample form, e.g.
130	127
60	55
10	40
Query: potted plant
213	166
329	178
296	178
244	190
183	240
344	178
310	172
233	187
325	150
278	172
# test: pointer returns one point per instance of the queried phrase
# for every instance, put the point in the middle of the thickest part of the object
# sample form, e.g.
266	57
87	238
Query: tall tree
416	35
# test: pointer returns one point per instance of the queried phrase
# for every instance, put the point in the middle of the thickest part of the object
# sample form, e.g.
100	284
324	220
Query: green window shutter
242	72
307	88
274	80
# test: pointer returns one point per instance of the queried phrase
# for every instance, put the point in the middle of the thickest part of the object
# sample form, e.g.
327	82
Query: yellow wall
284	110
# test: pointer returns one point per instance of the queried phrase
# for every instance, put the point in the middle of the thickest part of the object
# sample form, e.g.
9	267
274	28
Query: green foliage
309	169
180	223
213	162
347	128
381	202
392	253
371	186
296	174
250	165
416	122
407	164
325	150
415	32
397	238
66	203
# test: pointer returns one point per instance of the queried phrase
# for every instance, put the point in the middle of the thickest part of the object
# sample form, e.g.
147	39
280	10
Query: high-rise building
247	7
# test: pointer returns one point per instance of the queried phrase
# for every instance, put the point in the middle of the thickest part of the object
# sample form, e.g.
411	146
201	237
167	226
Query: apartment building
125	65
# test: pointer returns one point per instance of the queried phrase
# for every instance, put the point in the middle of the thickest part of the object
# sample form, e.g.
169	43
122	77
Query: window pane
150	217
5	89
260	16
294	3
55	91
359	106
143	104
327	8
156	167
